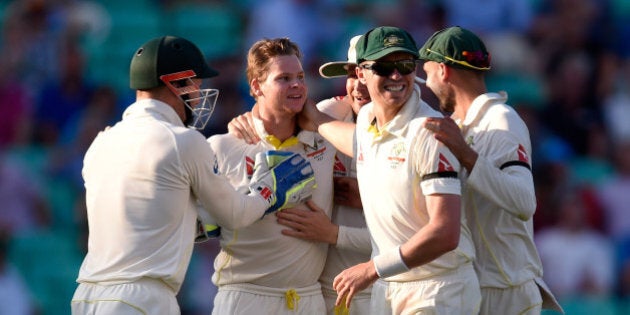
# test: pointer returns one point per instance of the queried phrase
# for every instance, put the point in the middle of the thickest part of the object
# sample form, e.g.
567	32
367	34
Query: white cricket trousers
145	296
247	299
455	292
360	304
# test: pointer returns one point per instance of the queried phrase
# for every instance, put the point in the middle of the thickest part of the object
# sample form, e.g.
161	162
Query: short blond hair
262	51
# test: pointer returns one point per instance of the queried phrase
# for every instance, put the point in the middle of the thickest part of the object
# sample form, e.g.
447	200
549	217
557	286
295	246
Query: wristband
390	263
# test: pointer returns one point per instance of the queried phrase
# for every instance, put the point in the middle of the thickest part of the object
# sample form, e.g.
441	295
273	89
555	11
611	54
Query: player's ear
444	71
360	75
255	84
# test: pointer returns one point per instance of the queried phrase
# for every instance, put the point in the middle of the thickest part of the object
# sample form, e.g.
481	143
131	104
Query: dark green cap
384	40
166	55
457	47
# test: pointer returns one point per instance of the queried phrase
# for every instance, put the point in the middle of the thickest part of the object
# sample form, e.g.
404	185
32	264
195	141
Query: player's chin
295	105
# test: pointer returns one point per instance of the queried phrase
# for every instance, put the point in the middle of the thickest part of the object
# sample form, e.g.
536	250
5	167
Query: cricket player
346	231
144	178
352	242
259	270
492	144
422	254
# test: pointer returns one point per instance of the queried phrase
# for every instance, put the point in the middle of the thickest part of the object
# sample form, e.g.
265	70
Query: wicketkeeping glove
206	231
285	179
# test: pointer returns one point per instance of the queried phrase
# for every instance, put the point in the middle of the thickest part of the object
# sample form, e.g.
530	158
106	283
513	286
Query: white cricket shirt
498	196
259	254
396	169
353	242
143	179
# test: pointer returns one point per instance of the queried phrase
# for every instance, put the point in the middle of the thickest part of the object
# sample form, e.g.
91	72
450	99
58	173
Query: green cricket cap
166	55
457	47
384	40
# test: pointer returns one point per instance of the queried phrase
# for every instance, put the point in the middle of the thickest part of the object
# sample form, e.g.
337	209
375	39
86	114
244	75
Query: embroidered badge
397	155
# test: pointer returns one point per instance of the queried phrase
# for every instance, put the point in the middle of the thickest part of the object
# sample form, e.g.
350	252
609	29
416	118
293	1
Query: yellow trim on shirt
276	143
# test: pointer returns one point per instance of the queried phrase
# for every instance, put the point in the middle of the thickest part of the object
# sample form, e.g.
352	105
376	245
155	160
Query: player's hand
308	223
353	280
284	179
347	191
309	116
242	126
446	131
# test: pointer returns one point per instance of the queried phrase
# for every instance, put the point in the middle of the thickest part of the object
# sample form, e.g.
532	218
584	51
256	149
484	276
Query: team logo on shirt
397	155
470	141
339	169
316	152
522	154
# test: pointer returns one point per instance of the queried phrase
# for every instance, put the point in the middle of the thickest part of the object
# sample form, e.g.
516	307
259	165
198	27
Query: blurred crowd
64	77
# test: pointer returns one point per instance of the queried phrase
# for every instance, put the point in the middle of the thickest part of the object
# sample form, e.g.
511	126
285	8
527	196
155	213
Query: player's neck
281	126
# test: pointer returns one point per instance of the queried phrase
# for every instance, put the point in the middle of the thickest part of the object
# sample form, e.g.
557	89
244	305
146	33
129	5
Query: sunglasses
386	68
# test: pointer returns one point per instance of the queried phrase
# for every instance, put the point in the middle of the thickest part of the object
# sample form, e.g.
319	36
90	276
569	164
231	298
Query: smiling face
393	90
283	90
356	91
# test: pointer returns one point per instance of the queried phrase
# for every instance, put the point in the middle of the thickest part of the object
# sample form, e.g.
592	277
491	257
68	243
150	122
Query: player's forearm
440	235
428	244
238	210
511	189
339	133
354	238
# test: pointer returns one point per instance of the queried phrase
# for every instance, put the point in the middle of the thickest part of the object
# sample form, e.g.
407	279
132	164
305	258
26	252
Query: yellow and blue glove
283	178
206	230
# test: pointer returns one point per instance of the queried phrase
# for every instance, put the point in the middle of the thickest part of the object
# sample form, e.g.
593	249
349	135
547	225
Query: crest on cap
393	40
384	40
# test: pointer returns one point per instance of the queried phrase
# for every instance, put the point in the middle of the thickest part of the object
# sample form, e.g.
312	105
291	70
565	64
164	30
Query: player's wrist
334	236
390	263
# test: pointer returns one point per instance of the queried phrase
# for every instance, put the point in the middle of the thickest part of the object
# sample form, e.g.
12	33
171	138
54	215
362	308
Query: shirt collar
154	108
304	136
480	104
398	125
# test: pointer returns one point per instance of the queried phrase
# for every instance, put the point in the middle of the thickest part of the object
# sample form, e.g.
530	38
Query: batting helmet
166	55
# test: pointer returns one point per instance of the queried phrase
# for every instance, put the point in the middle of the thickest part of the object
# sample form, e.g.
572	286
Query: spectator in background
577	259
101	110
16	108
24	205
616	100
570	110
513	16
62	98
15	299
614	196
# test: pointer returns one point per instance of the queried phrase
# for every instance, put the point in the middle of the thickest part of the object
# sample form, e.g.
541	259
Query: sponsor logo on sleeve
444	165
522	154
